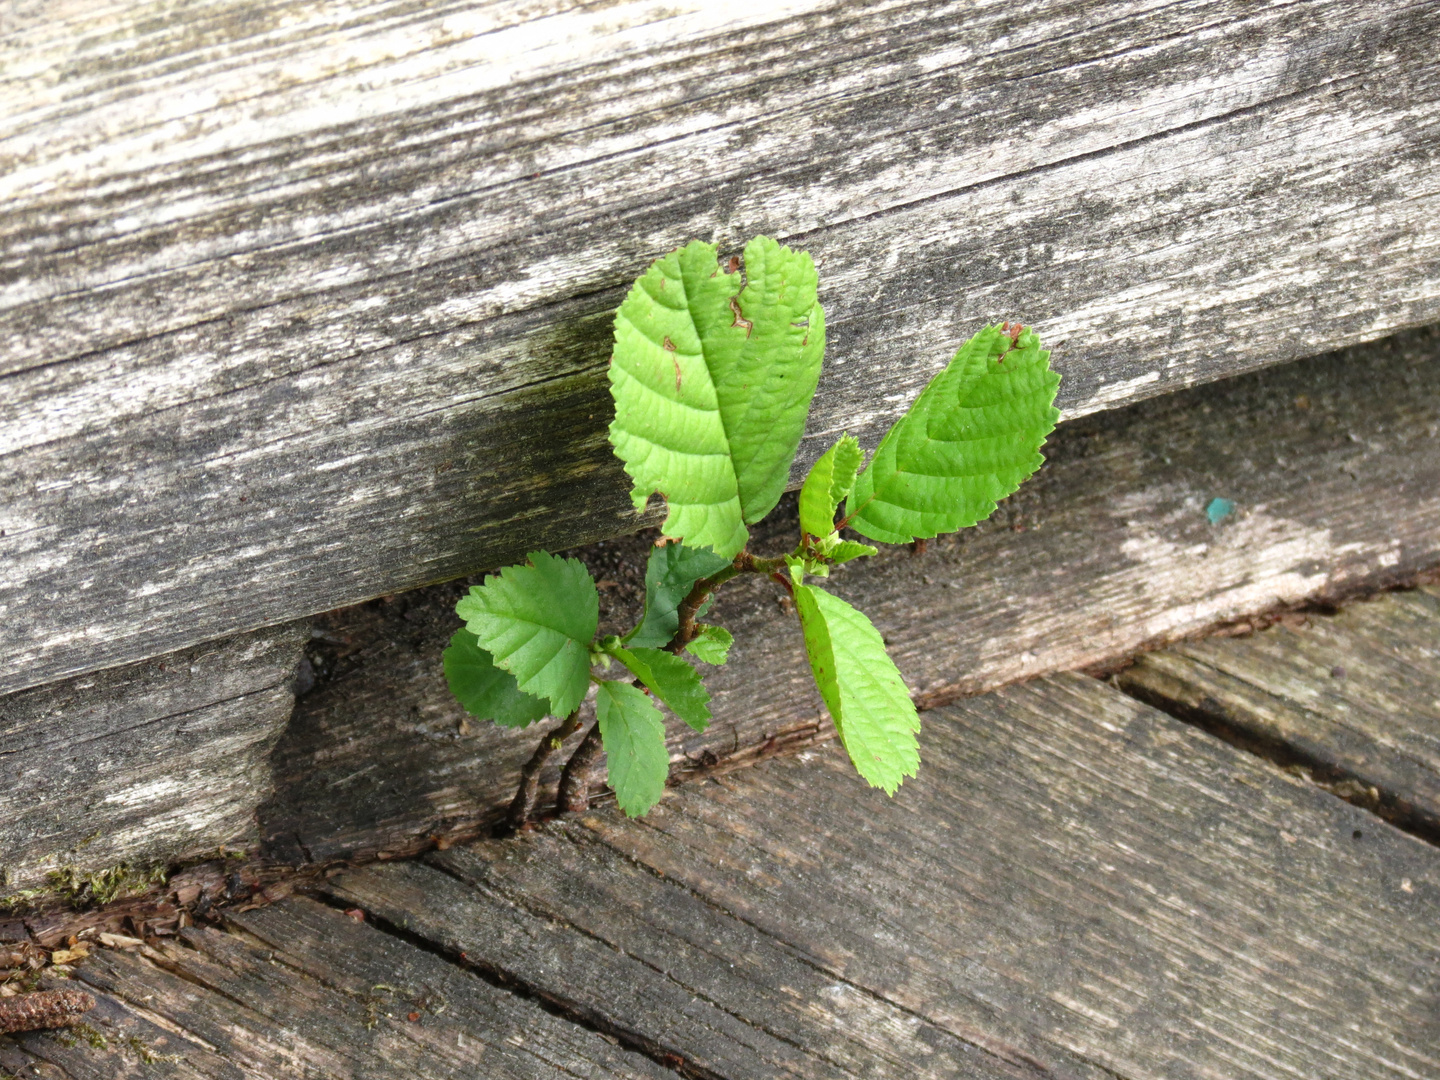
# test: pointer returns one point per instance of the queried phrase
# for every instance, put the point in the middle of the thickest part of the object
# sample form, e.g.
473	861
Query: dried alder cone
712	375
43	1009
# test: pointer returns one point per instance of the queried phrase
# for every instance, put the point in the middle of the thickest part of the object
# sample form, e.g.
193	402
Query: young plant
712	375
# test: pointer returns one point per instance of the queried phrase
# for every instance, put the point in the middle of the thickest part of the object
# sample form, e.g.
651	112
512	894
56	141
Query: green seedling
712	375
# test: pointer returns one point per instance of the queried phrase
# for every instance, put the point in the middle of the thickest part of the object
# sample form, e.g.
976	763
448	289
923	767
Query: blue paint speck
1219	510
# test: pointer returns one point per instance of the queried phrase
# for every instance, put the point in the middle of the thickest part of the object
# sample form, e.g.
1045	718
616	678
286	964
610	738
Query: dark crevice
1389	806
566	1009
520	900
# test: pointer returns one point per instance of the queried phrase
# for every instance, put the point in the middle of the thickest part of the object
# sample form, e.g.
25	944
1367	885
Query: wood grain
119	1042
1353	697
1333	466
696	985
303	304
1075	885
155	762
303	991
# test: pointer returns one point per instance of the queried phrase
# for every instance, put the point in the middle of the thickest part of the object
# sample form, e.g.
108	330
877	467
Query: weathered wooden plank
1332	465
1354	697
119	1041
304	310
1074	876
305	991
665	969
154	762
1080	866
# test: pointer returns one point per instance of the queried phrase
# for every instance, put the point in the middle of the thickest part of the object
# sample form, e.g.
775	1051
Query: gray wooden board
658	966
120	1041
302	311
301	990
1075	882
1355	696
1333	466
157	761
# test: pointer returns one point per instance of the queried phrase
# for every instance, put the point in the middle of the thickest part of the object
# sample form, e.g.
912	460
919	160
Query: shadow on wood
1332	466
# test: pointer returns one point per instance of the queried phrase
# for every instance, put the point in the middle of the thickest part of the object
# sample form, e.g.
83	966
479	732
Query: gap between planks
1348	698
788	920
1076	883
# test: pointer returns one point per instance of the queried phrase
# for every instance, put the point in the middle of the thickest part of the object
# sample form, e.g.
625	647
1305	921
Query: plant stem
744	563
523	805
574	795
575	780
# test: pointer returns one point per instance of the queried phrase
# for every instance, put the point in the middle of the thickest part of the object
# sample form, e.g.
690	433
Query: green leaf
712	384
846	550
862	688
670	574
829	481
633	734
537	621
797	565
711	645
671	680
485	690
839	551
971	438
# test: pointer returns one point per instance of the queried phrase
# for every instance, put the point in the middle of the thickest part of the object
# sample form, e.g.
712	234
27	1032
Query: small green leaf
537	621
633	734
846	550
796	564
971	438
671	680
670	574
711	645
712	384
486	691
861	687
830	480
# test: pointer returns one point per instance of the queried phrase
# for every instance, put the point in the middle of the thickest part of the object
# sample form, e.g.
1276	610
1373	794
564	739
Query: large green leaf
671	680
486	691
633	734
861	687
712	383
670	574
971	438
829	481
537	621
